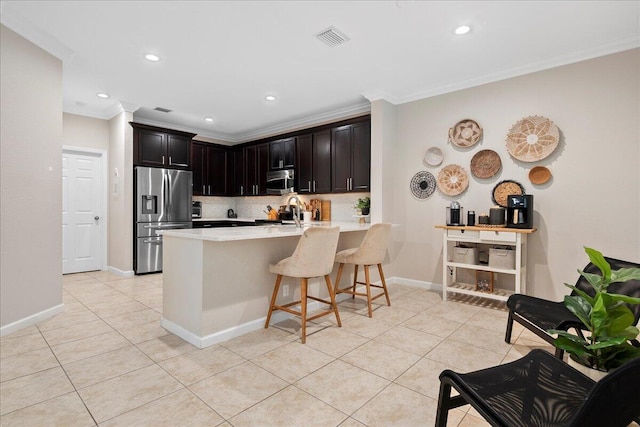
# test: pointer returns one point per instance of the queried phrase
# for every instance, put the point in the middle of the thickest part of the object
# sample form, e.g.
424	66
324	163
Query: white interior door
82	200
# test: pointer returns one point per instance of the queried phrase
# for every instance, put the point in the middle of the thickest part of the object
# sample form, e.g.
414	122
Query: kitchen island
217	284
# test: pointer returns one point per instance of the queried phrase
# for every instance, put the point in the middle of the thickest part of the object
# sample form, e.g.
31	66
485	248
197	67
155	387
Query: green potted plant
363	205
607	318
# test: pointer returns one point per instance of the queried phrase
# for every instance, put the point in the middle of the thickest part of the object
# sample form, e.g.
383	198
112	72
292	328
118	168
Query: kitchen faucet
296	213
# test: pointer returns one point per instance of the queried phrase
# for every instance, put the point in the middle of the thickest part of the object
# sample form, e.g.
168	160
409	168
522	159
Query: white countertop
259	232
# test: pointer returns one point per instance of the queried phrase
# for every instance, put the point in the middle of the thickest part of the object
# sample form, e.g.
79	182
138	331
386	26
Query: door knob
96	217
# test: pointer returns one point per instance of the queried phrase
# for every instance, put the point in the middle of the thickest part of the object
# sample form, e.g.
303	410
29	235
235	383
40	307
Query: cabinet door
304	174
322	162
151	148
199	164
361	156
262	168
238	173
217	171
341	158
282	153
178	151
250	170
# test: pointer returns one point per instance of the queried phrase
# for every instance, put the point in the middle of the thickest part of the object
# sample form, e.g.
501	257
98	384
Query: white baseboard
235	331
415	283
119	272
31	320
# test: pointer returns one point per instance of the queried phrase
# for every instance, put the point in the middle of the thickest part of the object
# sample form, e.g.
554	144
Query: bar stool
371	252
313	257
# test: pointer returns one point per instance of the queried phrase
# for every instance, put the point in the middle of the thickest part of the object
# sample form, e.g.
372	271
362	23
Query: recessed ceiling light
208	119
463	29
151	57
102	95
270	98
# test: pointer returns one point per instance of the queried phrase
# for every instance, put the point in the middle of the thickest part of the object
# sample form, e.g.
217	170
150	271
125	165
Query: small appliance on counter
455	214
196	210
520	211
497	216
231	214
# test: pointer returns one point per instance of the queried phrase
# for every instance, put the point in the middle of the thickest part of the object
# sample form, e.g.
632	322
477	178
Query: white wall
593	198
85	132
120	258
30	180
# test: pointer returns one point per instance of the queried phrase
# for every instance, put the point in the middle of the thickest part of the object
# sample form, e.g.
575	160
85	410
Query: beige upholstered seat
371	252
313	257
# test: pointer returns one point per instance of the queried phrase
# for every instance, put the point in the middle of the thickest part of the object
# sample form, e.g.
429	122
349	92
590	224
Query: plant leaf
598	260
595	280
609	342
582	293
624	298
620	319
625	274
572	347
580	307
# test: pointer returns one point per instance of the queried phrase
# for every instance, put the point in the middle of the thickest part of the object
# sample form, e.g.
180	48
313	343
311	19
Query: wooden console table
515	237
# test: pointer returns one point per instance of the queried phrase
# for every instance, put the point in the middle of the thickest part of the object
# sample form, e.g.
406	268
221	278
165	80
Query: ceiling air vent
163	110
332	37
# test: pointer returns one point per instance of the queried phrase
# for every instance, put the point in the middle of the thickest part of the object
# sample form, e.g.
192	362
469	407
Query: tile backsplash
255	206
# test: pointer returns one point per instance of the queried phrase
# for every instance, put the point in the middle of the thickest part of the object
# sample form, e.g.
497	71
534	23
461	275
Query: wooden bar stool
370	252
313	257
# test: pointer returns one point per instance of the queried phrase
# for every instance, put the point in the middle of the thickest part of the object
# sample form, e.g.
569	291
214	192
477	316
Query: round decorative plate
533	138
423	184
485	164
433	156
466	133
504	189
539	175
452	180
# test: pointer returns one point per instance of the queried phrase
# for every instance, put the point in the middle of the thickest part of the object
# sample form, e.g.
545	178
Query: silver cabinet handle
209	191
202	188
314	185
309	185
157	241
242	190
96	217
281	164
163	160
170	160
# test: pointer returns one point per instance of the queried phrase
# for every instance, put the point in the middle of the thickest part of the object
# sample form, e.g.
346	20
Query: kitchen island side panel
182	278
237	284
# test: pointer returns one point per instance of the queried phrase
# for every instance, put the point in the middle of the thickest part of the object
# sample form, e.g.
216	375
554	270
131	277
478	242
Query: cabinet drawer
498	236
462	235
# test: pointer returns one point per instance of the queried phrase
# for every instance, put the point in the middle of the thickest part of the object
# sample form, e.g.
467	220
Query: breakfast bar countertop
259	232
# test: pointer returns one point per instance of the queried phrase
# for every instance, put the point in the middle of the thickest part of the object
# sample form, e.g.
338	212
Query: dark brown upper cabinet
256	166
314	162
159	147
351	157
209	165
282	153
236	172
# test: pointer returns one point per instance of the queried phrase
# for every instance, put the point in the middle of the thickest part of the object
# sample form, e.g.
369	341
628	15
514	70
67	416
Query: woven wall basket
532	138
485	164
466	133
452	180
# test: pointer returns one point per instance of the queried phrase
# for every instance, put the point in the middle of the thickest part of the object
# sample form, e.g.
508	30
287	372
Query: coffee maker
455	214
520	211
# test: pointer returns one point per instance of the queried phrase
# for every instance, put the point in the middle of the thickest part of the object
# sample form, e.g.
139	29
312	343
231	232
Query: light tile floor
106	361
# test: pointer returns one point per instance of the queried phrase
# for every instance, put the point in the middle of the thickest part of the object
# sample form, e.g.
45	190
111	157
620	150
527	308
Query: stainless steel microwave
280	182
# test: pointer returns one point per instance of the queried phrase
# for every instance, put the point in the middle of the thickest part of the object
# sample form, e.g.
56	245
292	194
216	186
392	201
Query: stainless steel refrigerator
162	202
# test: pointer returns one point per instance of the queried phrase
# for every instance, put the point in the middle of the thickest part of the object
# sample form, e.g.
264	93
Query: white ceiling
220	59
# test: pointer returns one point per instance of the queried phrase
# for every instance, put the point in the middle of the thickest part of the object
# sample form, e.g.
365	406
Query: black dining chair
539	315
541	390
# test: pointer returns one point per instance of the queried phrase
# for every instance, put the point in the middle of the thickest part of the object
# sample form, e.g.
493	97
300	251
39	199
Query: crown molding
25	28
559	61
200	132
309	121
119	107
377	95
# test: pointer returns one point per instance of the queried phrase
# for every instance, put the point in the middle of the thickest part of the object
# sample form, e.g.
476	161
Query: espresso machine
455	214
520	211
